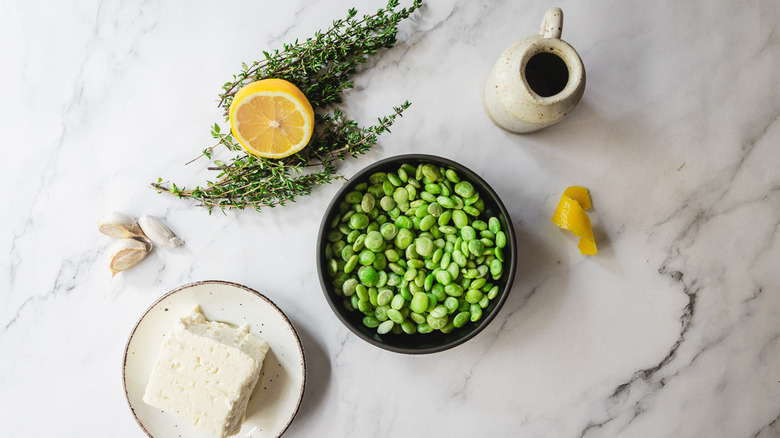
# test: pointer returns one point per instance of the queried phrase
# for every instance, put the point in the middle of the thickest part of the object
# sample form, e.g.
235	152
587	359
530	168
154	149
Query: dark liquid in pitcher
546	74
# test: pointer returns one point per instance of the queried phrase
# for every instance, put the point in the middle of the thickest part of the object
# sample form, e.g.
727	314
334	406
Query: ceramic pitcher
537	81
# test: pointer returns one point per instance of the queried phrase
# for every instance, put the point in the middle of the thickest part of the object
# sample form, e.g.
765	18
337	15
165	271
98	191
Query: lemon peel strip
570	215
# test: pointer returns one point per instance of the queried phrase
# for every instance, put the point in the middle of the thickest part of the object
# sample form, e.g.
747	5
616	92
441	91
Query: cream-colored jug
537	81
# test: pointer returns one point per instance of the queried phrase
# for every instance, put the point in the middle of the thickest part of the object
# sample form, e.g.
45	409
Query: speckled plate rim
272	305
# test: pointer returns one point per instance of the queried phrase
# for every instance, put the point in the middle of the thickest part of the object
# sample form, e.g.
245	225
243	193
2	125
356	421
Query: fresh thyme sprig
322	68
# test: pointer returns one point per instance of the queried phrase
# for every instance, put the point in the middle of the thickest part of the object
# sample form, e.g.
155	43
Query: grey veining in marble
671	330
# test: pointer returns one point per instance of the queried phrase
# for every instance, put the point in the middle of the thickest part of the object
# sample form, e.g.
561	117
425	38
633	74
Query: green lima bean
410	250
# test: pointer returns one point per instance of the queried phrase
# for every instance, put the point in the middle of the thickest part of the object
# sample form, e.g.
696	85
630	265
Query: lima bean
410	250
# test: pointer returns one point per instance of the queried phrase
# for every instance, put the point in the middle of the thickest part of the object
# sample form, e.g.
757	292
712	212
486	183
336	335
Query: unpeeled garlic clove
146	241
126	253
158	233
119	225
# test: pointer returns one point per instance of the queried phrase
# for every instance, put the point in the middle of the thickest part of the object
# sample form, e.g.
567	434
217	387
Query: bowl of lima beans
416	254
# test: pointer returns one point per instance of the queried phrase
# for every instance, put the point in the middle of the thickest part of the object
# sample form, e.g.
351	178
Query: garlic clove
158	233
146	241
125	254
119	225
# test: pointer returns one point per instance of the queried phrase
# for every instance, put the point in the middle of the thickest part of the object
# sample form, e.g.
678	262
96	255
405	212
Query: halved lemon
271	118
570	215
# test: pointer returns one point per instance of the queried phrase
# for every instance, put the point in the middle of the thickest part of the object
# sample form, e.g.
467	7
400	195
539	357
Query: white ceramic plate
279	391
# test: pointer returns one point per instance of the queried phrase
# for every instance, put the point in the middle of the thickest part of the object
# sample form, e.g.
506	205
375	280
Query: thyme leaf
322	67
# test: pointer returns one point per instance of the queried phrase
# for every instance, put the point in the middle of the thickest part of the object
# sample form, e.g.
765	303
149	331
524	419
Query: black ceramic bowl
436	341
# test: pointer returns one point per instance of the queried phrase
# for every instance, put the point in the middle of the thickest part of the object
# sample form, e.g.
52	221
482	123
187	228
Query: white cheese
206	372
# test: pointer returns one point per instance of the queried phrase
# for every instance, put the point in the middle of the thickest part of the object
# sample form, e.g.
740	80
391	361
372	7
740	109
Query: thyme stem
321	67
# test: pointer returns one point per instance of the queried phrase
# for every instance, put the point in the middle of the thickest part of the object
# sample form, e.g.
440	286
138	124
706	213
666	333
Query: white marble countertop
672	330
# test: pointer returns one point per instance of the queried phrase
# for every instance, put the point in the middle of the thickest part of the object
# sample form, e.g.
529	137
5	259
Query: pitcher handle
552	23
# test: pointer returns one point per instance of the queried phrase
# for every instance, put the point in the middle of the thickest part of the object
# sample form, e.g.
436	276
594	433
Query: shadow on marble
536	265
318	375
610	130
603	242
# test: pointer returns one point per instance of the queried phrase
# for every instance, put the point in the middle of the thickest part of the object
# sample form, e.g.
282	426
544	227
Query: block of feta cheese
206	372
